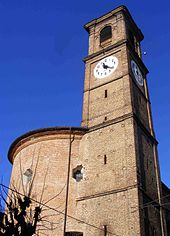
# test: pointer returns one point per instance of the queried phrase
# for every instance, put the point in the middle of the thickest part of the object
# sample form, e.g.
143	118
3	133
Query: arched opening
78	173
105	34
27	176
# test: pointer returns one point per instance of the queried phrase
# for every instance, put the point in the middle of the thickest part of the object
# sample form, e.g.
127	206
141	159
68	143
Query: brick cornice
115	11
120	43
34	134
122	118
114	191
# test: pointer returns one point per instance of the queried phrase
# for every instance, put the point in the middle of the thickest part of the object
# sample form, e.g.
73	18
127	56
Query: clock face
137	73
105	67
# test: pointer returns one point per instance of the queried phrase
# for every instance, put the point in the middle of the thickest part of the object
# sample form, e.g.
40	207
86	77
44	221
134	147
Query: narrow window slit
105	159
105	94
105	230
105	118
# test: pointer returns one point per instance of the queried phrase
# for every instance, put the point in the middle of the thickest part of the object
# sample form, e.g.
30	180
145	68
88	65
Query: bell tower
119	153
114	41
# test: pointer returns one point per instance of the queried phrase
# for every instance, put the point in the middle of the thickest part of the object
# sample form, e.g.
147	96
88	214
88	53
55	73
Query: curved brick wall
46	153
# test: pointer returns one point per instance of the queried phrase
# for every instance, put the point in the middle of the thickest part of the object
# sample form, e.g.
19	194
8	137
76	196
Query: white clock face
137	73
105	67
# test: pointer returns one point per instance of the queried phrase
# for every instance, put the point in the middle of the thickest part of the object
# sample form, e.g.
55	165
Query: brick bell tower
121	189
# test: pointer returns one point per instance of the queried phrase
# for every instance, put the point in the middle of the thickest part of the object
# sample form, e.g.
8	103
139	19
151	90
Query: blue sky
42	44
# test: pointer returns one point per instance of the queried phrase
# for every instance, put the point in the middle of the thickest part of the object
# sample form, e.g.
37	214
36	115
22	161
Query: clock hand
106	66
110	67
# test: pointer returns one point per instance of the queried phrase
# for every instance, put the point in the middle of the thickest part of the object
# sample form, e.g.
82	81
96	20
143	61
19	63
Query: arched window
106	33
27	176
78	173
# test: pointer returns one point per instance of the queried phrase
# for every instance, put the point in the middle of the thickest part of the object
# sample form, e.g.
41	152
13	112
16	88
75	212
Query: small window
106	33
73	234
78	173
105	93
105	230
105	159
27	176
105	118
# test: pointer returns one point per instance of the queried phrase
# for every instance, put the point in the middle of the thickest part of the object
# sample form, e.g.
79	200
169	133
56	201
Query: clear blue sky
42	44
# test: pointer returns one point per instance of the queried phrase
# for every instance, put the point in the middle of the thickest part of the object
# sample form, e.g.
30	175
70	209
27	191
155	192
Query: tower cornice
104	50
122	118
110	14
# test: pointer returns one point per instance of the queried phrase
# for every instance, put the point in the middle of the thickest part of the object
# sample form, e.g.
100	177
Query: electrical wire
81	221
60	212
153	201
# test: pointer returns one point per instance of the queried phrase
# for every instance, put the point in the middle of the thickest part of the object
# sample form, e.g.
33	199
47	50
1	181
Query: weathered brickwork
115	151
117	211
117	143
115	105
46	154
